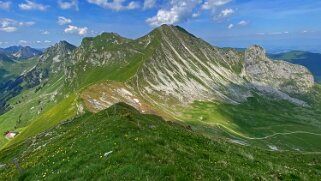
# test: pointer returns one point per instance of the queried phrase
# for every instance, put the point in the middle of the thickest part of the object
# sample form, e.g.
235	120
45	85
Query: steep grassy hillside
35	104
122	144
11	70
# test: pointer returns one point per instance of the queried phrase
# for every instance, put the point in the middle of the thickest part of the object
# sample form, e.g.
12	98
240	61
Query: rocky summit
177	68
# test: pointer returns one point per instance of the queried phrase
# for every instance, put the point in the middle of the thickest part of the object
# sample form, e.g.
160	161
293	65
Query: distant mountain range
13	61
18	52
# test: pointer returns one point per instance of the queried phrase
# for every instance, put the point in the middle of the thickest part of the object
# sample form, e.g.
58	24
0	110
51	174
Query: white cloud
3	43
179	10
243	23
230	26
9	29
213	4
68	4
5	5
11	25
274	33
44	32
226	12
176	11
195	15
28	23
148	4
32	5
76	30
115	5
63	20
23	42
47	41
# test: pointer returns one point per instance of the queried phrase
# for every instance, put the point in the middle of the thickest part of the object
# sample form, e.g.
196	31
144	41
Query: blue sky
274	24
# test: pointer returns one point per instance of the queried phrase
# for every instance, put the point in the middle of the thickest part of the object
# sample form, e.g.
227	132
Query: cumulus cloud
28	23
213	4
179	10
5	5
63	20
38	42
9	29
44	32
76	30
176	11
115	5
11	25
72	4
32	5
226	12
243	23
230	26
148	4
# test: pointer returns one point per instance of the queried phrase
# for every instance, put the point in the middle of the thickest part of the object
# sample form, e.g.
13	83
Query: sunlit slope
270	124
122	144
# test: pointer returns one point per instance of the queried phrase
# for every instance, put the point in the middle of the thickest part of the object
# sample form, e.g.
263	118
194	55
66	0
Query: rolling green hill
122	144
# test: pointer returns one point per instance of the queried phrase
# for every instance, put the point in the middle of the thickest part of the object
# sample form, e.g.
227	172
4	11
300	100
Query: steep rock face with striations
184	68
177	68
286	77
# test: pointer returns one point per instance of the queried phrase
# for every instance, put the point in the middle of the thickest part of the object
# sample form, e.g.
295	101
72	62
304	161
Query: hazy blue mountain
22	52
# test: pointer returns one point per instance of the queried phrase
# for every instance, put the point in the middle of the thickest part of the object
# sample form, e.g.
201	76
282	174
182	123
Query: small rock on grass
2	166
107	154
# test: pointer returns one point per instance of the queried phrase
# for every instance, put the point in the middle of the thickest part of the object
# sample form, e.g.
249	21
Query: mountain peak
62	46
105	38
255	52
170	28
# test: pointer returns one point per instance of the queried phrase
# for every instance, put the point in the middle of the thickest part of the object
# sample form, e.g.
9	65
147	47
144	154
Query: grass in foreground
144	147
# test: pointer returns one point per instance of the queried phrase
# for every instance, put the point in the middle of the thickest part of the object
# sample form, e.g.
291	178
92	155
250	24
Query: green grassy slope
10	70
144	147
260	121
120	69
36	104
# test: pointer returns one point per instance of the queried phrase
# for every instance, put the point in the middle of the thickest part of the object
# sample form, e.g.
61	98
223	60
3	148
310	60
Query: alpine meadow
160	90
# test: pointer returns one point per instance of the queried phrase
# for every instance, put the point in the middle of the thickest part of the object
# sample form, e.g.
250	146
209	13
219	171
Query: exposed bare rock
286	77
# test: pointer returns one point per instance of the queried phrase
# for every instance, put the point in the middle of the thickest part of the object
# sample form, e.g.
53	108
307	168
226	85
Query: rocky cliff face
283	76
